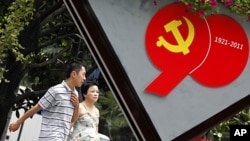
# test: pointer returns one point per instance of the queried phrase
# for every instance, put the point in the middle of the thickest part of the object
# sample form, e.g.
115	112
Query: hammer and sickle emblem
183	45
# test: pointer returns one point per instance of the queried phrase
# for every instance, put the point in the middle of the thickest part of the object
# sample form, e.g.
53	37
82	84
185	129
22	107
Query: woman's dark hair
86	85
74	66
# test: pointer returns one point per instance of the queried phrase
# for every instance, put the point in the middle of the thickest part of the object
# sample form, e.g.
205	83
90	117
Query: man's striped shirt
57	113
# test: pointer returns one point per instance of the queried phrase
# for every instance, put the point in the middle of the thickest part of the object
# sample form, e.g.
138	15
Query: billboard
174	74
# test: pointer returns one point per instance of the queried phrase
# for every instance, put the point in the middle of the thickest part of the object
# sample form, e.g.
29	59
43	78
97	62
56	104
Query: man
59	105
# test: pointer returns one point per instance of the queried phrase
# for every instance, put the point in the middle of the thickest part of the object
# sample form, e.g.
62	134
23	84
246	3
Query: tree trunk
6	127
8	90
5	107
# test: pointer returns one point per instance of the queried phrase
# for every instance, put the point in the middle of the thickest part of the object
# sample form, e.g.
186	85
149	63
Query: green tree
114	123
221	131
210	7
37	39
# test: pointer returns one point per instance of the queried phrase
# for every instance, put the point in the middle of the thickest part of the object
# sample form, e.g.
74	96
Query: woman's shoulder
97	111
82	110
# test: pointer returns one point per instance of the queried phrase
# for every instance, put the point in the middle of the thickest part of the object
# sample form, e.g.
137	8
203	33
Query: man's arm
75	102
15	125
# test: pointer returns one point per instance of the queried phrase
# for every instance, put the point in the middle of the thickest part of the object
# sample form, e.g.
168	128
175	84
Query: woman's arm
98	114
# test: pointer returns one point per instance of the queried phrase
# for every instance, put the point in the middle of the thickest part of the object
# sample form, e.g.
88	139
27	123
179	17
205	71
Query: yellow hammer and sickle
183	45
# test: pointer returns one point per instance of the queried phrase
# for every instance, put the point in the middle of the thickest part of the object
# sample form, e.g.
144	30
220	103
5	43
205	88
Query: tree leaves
13	22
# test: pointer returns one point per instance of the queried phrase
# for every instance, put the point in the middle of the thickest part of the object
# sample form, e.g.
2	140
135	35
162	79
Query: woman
85	128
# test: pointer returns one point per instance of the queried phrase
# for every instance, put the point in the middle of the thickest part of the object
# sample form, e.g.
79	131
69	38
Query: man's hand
74	100
14	126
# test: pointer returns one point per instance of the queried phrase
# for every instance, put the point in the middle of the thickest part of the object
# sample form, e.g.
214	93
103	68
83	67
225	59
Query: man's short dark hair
74	66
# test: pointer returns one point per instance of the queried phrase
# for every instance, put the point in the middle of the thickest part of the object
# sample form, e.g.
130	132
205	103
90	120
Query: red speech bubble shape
228	55
176	42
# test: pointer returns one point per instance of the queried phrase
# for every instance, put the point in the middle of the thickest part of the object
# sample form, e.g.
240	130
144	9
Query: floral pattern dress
85	128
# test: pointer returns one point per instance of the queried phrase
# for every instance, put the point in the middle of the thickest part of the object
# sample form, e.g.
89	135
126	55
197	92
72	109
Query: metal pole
20	132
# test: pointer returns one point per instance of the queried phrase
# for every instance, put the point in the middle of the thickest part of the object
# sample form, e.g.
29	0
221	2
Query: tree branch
49	9
31	95
57	39
56	28
50	60
56	12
